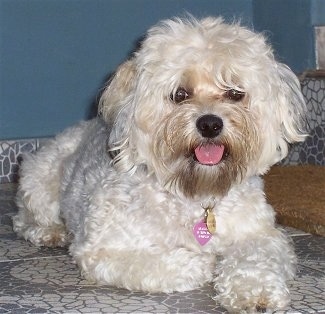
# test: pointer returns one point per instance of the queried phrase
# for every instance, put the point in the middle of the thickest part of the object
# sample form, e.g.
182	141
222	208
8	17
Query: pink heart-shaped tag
201	232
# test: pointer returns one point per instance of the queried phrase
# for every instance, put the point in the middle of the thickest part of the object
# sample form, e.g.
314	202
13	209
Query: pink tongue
209	154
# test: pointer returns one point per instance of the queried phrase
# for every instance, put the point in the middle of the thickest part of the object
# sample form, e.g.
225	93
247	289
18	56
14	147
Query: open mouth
210	154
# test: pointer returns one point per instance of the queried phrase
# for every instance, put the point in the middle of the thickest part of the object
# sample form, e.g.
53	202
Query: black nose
209	125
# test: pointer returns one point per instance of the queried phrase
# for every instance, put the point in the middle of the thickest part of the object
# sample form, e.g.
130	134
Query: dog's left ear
284	101
291	109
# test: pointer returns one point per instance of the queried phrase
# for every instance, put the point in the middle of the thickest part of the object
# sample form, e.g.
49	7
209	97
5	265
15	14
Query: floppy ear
292	106
291	110
286	104
116	108
118	91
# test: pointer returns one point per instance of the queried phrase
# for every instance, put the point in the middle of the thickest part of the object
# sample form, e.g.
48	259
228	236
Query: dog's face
203	105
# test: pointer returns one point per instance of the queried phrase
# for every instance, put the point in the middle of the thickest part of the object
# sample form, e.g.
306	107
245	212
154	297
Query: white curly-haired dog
162	191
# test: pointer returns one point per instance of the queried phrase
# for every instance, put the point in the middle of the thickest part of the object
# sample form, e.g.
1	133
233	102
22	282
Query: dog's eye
180	95
234	94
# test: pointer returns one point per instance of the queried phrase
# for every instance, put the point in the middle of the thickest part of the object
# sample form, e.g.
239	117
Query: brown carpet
297	193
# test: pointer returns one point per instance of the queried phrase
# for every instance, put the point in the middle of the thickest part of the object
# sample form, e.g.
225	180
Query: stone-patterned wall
312	151
10	155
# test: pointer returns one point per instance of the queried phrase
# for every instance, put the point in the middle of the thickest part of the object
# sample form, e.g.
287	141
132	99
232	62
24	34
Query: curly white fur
198	113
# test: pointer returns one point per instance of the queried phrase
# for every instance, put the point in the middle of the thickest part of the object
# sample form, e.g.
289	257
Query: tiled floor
41	280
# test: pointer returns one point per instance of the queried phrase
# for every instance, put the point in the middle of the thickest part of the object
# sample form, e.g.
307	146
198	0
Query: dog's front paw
262	293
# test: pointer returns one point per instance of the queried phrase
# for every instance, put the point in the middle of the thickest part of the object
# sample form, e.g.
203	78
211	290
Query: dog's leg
174	270
38	219
38	200
253	273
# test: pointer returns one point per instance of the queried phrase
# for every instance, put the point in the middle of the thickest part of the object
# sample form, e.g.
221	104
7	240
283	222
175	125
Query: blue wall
56	55
317	11
289	28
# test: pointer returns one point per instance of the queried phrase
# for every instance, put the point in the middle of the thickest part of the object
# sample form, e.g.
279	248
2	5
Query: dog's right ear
116	108
118	92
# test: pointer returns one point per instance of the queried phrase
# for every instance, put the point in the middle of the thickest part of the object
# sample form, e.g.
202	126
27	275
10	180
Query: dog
162	191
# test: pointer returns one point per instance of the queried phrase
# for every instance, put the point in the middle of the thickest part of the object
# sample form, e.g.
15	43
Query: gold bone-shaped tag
211	221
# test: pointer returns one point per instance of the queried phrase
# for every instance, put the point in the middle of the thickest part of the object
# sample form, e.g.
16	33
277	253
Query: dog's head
202	105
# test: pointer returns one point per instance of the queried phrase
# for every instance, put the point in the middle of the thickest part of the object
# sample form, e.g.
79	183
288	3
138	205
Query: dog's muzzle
210	153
